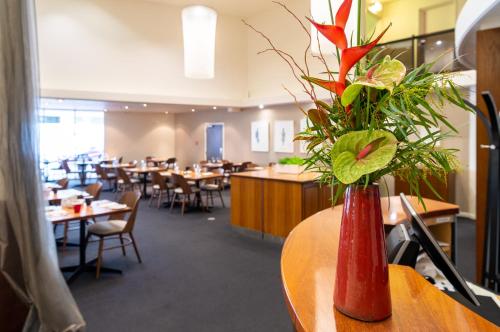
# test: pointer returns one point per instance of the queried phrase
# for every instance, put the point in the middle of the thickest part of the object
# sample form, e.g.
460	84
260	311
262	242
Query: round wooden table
308	267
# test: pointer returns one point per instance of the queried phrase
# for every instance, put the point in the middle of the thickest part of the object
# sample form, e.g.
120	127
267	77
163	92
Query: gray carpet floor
197	275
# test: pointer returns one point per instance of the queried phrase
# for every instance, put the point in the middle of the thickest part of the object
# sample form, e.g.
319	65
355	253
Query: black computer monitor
436	254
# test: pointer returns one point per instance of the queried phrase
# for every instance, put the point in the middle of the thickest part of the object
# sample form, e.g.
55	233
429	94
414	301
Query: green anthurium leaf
350	94
383	76
362	152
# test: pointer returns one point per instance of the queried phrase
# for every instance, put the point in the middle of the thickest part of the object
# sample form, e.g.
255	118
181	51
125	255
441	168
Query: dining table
56	197
143	171
82	170
59	215
196	177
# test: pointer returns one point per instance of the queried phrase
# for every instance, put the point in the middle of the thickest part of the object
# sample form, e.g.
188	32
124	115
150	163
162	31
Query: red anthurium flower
350	56
333	33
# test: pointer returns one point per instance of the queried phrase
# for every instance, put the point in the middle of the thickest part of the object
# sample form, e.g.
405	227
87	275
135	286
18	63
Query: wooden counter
274	203
308	268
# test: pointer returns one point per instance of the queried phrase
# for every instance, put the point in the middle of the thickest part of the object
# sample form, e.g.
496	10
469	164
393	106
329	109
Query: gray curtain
28	259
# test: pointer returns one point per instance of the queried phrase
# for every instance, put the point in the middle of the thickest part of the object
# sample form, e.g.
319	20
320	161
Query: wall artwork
260	136
283	136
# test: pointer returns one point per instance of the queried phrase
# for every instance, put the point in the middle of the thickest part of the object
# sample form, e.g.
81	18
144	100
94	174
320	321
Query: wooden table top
393	212
62	215
63	194
308	269
147	169
111	166
269	173
193	176
51	185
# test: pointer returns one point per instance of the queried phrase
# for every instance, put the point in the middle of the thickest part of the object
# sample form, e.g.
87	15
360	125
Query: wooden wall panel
12	311
282	206
246	203
488	79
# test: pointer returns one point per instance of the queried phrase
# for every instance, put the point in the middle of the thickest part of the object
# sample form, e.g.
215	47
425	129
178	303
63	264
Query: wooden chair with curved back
184	190
109	177
66	168
171	162
160	187
216	185
117	226
125	182
63	183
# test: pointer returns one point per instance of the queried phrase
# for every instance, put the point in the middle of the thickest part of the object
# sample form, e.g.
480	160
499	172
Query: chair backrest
179	181
132	162
227	167
100	171
131	199
271	164
123	175
120	160
203	162
245	165
65	166
94	189
170	162
158	179
63	183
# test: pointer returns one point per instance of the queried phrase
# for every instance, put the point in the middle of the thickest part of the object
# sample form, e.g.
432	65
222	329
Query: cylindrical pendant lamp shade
199	25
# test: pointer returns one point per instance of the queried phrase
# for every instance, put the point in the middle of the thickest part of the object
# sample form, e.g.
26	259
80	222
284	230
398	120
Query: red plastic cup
77	208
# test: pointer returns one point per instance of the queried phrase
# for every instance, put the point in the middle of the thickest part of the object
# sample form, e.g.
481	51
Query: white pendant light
320	11
198	27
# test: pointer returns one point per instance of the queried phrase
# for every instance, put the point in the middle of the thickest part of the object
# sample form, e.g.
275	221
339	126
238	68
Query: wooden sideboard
308	268
273	203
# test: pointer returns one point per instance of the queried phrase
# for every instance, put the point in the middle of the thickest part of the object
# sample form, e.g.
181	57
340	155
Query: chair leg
212	198
221	199
151	198
123	245
135	247
183	204
99	258
173	202
159	199
65	238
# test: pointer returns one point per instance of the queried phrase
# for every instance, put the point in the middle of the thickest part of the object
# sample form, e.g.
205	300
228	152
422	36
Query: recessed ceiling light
439	42
126	107
60	100
144	105
166	112
104	110
261	106
215	107
193	110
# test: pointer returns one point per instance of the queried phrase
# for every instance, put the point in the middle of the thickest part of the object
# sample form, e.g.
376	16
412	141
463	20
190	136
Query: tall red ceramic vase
362	281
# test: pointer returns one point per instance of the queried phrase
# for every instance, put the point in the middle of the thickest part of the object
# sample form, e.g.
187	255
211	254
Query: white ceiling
115	106
239	8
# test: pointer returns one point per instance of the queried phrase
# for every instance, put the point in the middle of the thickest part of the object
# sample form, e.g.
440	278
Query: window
67	134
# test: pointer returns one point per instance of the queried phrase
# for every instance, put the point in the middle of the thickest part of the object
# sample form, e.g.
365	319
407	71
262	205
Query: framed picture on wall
302	127
283	136
260	136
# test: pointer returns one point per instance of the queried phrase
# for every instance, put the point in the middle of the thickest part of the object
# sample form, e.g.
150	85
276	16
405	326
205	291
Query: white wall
135	135
132	50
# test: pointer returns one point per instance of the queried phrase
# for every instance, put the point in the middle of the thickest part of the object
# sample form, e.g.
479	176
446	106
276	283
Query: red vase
362	281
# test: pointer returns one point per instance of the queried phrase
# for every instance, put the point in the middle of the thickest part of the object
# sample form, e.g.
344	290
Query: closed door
214	141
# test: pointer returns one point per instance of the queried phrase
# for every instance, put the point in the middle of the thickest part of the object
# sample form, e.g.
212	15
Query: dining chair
171	162
63	183
228	170
244	166
184	190
125	182
120	160
117	227
66	168
216	185
161	186
109	177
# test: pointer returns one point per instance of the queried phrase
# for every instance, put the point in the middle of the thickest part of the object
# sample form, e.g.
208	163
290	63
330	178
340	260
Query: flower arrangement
381	118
